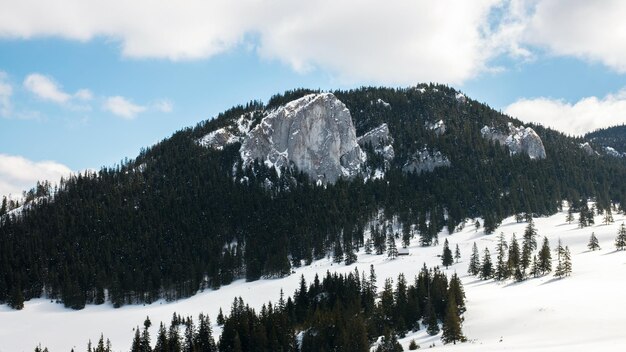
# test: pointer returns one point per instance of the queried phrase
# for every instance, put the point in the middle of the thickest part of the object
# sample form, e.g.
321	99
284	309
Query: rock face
380	139
586	147
519	140
315	133
425	161
438	127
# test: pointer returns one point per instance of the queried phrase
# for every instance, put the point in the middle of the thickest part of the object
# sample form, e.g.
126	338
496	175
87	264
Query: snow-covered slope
583	312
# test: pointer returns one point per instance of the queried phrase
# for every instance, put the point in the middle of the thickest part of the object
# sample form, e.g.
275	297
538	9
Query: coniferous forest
182	217
336	313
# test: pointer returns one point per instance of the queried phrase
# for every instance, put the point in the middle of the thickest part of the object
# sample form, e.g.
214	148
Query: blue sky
85	88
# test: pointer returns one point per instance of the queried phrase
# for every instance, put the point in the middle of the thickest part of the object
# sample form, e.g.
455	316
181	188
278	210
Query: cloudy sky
86	83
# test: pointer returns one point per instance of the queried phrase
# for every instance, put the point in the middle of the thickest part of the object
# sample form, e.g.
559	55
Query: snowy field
584	312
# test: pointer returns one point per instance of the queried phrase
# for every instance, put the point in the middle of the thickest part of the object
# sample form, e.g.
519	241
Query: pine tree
620	240
501	271
570	215
529	244
559	272
446	257
432	327
392	250
534	267
582	217
513	261
590	216
452	322
608	216
457	253
486	271
368	246
593	242
545	258
220	315
567	262
474	264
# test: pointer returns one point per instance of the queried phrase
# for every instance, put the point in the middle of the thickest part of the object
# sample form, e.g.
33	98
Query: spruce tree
368	246
457	253
474	264
620	240
486	270
446	257
534	267
570	215
545	258
432	327
513	261
529	244
567	262
392	250
559	272
502	271
452	322
593	242
608	216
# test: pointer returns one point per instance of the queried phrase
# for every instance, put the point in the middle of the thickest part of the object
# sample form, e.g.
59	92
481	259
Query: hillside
539	314
186	215
611	140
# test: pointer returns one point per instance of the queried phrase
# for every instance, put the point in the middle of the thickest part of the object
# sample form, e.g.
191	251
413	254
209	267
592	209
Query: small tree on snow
486	270
608	216
474	263
457	253
570	215
392	250
620	240
446	256
593	242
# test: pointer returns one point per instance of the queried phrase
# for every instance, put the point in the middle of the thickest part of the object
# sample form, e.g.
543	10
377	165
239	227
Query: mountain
610	141
264	188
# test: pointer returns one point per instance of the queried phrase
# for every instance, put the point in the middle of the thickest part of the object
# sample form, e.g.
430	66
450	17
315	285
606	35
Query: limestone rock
314	133
518	140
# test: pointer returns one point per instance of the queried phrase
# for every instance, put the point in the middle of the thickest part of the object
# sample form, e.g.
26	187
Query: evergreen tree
486	271
413	345
534	267
545	258
220	315
608	216
392	250
593	242
432	327
457	253
502	271
583	218
620	240
446	257
570	215
349	253
452	322
567	262
368	246
513	261
529	244
559	272
474	264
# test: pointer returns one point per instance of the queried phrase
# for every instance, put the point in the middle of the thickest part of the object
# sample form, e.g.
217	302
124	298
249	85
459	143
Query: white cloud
123	107
591	30
83	94
18	174
46	88
395	41
163	105
6	90
585	115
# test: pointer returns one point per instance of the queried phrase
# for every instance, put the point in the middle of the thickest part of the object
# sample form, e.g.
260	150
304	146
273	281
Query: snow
581	312
612	152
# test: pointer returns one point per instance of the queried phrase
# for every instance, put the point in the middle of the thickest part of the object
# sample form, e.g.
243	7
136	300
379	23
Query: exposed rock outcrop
438	127
586	147
518	140
380	139
315	133
425	160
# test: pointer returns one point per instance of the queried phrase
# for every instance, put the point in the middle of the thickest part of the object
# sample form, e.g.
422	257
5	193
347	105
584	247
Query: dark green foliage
501	271
620	240
529	244
474	264
486	270
593	242
446	256
514	260
457	253
452	323
177	218
413	345
544	263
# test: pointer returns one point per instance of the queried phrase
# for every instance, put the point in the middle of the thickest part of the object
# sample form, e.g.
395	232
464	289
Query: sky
87	83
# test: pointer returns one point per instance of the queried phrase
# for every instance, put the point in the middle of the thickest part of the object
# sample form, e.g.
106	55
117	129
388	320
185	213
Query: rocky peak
314	133
518	140
380	139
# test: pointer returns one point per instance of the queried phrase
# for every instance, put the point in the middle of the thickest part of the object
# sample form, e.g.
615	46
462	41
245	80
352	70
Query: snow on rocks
314	133
426	161
438	127
380	139
518	140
